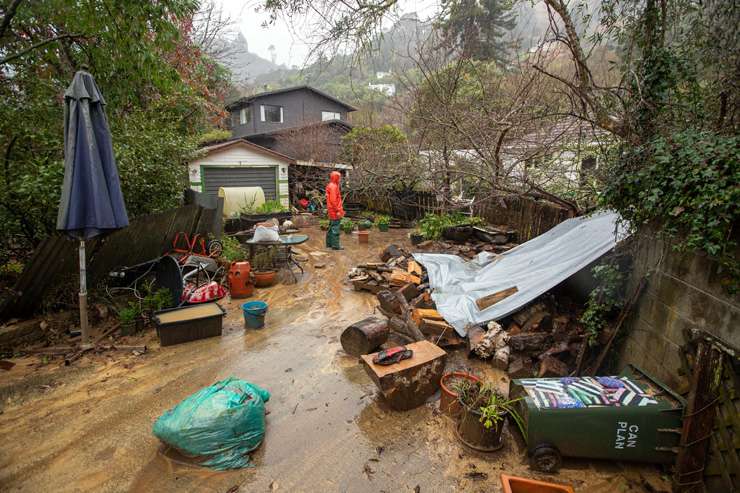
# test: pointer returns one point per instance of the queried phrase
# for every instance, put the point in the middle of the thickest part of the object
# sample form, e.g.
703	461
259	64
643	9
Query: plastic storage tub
189	323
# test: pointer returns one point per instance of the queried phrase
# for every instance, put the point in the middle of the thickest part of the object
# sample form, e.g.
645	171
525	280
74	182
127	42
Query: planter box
515	484
190	323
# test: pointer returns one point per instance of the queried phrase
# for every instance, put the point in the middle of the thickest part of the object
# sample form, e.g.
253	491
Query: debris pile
468	241
402	288
543	339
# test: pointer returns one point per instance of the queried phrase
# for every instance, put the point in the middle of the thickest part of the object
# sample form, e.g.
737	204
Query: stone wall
683	290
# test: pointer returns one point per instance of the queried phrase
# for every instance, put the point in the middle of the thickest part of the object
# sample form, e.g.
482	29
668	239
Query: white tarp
533	267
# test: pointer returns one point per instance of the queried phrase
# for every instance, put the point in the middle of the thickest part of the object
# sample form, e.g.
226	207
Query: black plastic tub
189	323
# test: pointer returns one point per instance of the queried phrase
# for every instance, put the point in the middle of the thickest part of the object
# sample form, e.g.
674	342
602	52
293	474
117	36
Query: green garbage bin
632	417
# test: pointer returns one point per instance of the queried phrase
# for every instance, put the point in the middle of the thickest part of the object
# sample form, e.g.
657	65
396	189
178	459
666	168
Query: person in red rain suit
335	210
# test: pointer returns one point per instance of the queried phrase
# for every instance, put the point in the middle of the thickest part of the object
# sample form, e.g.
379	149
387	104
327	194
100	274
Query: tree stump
365	336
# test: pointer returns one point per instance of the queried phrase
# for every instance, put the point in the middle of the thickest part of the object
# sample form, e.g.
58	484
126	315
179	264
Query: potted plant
452	385
383	222
364	225
231	251
416	237
264	273
324	224
347	225
129	318
484	411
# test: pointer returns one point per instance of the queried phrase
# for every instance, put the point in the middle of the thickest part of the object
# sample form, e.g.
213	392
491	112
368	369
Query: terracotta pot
449	403
471	431
264	278
363	236
515	484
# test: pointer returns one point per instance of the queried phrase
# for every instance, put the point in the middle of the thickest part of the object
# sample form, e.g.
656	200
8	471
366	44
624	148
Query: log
406	310
551	367
528	341
409	383
493	298
388	302
409	291
434	327
365	336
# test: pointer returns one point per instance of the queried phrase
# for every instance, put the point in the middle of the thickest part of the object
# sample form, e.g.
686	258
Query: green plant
347	225
324	224
382	220
129	314
607	296
432	225
232	249
271	207
493	406
684	183
157	300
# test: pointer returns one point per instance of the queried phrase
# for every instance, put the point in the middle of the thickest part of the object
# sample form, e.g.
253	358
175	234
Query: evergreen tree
476	28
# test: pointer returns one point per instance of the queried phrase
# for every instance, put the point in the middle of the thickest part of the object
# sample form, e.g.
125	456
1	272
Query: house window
244	115
271	113
330	115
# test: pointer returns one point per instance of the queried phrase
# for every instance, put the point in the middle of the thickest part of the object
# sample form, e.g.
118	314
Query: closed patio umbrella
92	203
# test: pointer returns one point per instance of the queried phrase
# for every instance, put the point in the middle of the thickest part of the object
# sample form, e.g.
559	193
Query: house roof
329	123
249	145
249	99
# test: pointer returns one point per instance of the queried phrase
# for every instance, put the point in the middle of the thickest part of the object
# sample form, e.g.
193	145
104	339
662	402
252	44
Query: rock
319	265
391	251
551	367
501	358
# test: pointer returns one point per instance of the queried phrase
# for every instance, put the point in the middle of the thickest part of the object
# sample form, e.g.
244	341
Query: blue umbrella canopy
92	202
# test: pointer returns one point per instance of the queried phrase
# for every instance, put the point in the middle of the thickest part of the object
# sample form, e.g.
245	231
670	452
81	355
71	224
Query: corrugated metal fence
55	261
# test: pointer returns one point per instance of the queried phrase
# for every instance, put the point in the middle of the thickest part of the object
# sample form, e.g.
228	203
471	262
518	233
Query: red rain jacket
334	197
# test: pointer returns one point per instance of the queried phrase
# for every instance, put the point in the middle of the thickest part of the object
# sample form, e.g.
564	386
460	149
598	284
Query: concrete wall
299	108
683	291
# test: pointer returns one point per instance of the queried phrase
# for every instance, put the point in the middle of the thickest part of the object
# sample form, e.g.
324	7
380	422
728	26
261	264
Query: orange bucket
240	283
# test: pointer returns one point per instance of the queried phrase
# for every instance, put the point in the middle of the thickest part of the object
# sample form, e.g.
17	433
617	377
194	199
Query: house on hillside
301	122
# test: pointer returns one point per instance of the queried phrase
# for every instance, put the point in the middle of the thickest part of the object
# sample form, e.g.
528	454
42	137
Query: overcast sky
291	41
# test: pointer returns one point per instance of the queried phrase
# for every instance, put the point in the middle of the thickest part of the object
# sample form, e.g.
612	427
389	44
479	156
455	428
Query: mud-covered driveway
88	427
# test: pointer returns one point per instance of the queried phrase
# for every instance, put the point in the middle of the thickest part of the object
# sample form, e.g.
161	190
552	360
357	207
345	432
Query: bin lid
582	392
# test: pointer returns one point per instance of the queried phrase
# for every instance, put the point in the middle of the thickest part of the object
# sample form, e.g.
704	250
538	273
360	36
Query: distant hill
244	65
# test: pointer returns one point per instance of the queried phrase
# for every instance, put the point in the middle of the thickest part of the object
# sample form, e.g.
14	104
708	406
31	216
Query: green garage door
223	176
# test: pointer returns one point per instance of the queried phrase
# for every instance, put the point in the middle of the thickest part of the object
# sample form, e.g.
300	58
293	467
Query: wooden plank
413	267
698	418
491	299
400	277
418	313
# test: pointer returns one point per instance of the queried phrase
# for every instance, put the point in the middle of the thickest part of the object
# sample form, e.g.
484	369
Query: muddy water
327	429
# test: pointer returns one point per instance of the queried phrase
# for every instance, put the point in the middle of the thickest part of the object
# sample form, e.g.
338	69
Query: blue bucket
254	314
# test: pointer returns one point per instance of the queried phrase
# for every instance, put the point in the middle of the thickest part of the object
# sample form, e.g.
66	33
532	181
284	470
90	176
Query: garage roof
249	145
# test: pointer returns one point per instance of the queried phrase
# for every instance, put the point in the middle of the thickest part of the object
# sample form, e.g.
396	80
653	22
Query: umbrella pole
83	297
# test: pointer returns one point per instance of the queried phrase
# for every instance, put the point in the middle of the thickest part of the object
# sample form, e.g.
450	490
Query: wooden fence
54	264
529	217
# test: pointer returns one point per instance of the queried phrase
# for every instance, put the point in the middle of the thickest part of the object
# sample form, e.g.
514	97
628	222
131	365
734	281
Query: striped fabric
578	392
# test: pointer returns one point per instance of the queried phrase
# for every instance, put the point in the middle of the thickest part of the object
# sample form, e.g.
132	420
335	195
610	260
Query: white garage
239	163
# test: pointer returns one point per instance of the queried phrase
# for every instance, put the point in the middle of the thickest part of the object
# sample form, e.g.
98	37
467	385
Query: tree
476	28
161	91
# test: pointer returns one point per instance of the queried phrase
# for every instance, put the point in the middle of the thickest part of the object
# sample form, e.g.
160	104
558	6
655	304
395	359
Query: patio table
285	244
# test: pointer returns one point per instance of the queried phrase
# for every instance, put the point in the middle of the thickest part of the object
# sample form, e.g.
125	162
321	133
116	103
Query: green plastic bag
219	424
